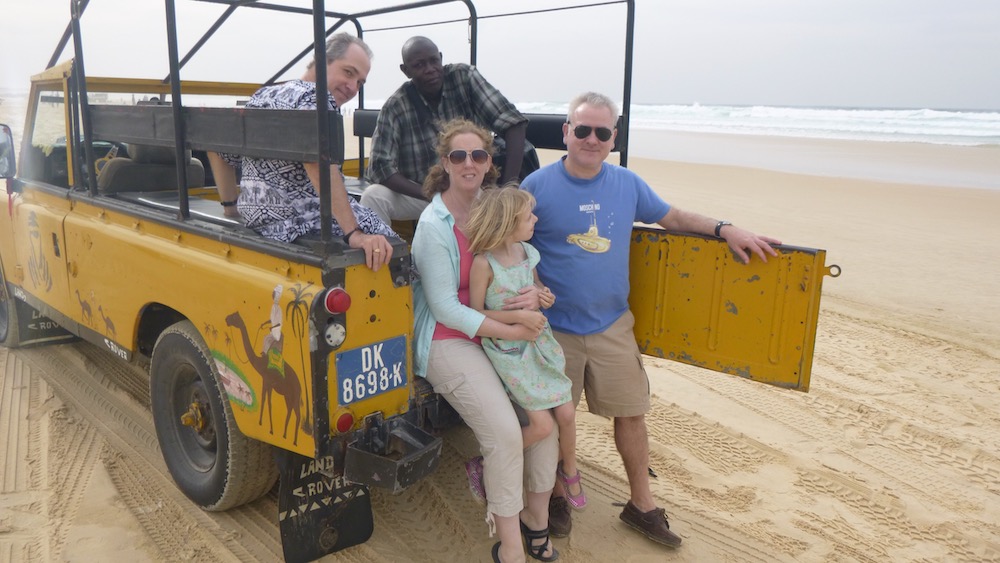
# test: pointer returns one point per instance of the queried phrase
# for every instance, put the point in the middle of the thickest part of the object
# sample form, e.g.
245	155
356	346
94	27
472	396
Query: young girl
498	228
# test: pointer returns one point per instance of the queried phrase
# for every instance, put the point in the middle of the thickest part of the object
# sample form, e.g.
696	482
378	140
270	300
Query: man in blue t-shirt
586	208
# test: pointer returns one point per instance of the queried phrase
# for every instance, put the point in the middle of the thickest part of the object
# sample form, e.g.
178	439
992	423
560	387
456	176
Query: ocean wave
927	125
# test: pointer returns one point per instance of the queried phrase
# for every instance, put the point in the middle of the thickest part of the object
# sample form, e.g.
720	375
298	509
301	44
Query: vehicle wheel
211	461
10	335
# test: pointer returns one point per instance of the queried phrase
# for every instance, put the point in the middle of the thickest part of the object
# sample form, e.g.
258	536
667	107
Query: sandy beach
901	163
891	456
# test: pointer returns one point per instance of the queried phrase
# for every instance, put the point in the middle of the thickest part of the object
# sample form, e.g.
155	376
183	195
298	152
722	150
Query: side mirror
7	164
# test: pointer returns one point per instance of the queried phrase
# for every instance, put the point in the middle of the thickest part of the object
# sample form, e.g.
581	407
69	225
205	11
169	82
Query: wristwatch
719	225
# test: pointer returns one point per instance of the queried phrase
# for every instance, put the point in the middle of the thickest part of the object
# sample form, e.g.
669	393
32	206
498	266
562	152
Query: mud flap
36	328
318	511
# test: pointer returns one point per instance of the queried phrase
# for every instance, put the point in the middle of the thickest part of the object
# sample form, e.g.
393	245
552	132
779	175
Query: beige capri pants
460	371
390	206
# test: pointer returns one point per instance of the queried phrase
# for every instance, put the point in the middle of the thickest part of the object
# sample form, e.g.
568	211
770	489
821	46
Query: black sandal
537	551
496	552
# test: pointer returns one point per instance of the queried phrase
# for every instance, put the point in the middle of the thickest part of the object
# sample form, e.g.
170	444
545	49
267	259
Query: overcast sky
868	53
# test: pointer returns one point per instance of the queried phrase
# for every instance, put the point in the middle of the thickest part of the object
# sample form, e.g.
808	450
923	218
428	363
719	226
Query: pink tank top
441	332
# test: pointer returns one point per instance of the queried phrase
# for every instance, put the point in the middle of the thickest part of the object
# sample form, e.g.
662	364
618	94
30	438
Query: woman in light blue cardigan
449	355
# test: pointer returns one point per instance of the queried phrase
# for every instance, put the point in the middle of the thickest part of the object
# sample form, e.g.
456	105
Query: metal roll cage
326	147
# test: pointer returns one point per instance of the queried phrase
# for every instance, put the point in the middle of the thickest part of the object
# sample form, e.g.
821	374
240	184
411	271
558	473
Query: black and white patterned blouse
277	199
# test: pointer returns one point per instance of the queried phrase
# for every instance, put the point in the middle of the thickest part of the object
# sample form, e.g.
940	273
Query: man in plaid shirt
403	145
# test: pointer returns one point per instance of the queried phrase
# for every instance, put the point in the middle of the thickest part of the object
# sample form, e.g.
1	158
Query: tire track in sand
23	464
867	364
73	452
819	421
128	428
60	455
708	535
910	452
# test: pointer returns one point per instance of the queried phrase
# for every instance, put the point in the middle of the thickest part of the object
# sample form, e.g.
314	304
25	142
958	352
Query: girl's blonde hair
437	180
494	216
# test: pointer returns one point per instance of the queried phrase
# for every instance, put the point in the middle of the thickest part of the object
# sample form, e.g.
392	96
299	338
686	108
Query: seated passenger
279	198
406	134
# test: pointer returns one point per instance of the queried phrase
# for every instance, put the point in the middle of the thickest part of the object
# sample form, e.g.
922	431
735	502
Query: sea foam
950	127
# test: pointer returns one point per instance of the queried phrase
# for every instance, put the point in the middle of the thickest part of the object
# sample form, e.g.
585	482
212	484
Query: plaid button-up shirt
402	144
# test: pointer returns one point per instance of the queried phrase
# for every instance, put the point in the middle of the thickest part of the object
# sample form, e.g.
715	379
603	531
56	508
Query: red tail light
345	422
337	301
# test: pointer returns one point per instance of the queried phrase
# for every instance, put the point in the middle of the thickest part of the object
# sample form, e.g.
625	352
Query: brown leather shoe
560	520
652	524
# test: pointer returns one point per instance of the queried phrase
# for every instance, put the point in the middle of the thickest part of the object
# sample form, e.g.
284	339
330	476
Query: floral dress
534	373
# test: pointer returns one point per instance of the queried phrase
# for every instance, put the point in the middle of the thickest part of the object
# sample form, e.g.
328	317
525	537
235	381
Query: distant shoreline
897	162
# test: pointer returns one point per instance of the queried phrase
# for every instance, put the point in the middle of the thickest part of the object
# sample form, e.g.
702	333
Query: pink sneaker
474	471
579	501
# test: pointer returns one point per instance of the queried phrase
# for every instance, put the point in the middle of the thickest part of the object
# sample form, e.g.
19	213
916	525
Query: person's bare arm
225	182
377	248
480	276
514	139
403	185
546	298
492	328
741	241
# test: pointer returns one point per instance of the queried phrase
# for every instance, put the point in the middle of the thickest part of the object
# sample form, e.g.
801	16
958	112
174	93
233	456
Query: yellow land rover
264	357
270	358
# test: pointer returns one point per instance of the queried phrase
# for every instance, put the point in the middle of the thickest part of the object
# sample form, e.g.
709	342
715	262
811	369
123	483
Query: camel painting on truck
268	361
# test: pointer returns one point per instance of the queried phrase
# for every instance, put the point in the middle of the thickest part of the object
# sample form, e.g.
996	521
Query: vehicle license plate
371	370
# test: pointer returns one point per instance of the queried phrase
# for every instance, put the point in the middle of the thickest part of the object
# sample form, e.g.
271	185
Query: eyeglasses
479	156
583	131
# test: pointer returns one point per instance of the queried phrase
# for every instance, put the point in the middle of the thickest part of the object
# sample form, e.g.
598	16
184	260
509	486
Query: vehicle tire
10	335
217	467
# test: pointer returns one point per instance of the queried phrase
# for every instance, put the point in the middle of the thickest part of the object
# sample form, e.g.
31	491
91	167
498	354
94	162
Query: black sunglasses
479	156
583	131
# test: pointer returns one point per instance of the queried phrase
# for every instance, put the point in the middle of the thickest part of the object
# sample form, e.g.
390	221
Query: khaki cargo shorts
608	366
